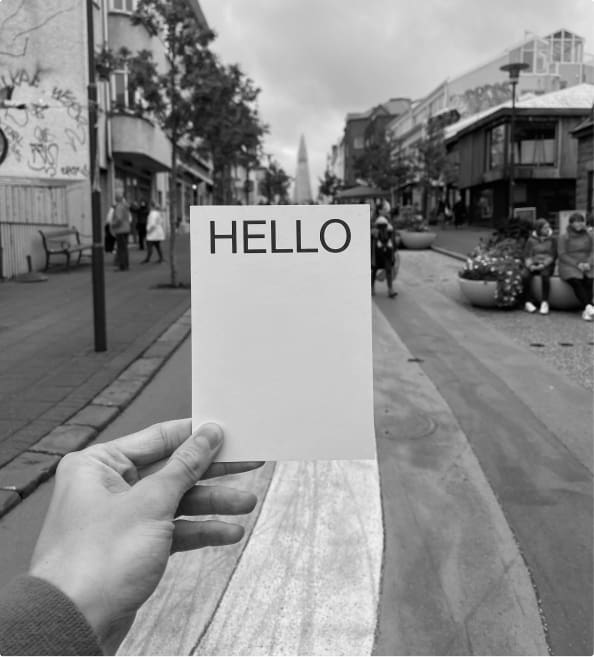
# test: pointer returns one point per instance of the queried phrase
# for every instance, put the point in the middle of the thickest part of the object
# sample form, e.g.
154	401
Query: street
486	496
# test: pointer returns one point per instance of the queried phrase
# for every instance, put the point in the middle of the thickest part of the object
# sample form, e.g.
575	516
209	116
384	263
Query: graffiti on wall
43	114
481	98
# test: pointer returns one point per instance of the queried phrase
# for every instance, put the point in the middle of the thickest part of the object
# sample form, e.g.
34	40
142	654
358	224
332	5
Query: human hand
113	519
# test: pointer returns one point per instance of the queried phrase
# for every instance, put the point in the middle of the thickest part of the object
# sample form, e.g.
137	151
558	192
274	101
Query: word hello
268	242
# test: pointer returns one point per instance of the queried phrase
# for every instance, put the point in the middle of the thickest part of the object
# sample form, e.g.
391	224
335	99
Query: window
535	144
495	146
123	5
358	143
122	96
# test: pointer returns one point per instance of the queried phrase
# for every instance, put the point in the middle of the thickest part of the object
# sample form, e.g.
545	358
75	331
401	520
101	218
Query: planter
479	293
561	296
412	240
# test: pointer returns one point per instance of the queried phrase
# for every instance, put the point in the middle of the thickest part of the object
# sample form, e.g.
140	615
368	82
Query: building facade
44	172
362	128
44	163
555	62
546	162
584	192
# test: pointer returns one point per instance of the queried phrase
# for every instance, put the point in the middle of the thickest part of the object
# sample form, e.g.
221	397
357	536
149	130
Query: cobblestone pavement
561	337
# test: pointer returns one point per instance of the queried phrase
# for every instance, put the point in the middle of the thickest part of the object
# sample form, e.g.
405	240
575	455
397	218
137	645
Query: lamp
513	69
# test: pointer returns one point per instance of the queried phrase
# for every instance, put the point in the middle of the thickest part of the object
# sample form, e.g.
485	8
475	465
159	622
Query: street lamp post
513	69
99	323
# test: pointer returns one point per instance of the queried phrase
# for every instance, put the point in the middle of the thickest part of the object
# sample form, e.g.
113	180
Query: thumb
190	460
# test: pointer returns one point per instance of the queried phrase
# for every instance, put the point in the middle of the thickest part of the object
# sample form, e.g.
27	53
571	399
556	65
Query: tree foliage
204	107
274	185
378	166
330	184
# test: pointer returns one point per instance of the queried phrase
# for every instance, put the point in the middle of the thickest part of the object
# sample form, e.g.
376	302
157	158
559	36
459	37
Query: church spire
302	192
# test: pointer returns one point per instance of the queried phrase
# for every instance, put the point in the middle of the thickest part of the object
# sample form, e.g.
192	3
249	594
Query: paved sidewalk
50	373
459	242
56	392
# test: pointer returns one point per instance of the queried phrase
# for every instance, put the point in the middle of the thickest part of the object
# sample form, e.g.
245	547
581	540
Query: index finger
154	443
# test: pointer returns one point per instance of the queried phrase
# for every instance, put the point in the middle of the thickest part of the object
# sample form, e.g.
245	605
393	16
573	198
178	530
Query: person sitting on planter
383	254
540	253
576	262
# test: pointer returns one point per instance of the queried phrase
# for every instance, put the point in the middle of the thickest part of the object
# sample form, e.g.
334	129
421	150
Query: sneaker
529	307
544	308
588	313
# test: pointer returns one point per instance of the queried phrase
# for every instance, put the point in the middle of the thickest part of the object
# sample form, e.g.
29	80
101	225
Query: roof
584	128
361	191
580	96
394	106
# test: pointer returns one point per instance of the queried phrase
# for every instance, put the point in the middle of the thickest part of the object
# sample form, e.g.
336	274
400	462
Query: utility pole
99	323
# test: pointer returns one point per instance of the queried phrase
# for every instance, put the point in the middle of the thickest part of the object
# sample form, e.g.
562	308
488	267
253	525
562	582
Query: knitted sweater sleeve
36	618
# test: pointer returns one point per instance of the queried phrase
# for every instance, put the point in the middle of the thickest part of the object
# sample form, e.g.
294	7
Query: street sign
281	330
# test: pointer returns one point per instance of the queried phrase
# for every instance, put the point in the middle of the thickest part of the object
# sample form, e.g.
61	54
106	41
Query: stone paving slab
161	349
95	416
65	439
143	368
119	393
27	471
8	499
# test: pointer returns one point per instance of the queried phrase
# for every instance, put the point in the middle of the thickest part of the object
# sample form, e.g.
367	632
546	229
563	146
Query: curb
452	254
21	476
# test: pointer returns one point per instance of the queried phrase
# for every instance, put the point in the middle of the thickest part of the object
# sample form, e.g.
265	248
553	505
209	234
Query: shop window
535	144
496	147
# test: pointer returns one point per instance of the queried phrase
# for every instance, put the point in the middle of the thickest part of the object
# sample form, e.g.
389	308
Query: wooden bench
64	242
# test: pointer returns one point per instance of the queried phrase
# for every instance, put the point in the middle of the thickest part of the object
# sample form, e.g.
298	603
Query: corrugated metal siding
23	210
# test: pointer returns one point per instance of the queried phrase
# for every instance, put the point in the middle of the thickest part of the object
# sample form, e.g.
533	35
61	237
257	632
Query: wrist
88	603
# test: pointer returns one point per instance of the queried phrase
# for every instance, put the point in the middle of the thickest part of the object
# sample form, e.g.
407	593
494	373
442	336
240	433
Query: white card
281	330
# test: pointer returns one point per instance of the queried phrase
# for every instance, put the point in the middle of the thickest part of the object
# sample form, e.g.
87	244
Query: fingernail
212	432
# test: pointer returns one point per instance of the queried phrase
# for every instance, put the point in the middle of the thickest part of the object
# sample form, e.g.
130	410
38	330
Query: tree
227	120
432	163
166	95
203	106
380	168
275	183
329	184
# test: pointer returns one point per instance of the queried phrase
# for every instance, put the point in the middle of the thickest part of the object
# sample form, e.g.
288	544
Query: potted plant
492	275
414	232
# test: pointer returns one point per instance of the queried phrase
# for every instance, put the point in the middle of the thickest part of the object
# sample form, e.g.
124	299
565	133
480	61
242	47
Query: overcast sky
317	60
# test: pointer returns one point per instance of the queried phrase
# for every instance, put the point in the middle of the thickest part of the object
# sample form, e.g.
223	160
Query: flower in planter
414	223
498	260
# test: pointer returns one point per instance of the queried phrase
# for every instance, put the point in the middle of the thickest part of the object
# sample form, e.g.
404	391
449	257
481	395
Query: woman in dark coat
576	262
540	253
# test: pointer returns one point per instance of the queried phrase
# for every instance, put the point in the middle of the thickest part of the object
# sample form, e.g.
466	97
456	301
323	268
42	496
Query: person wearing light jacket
576	262
155	233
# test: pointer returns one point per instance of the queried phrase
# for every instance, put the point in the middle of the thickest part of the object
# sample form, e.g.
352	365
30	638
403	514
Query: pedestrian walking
444	214
120	226
155	233
460	212
540	254
384	256
576	262
109	238
141	220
